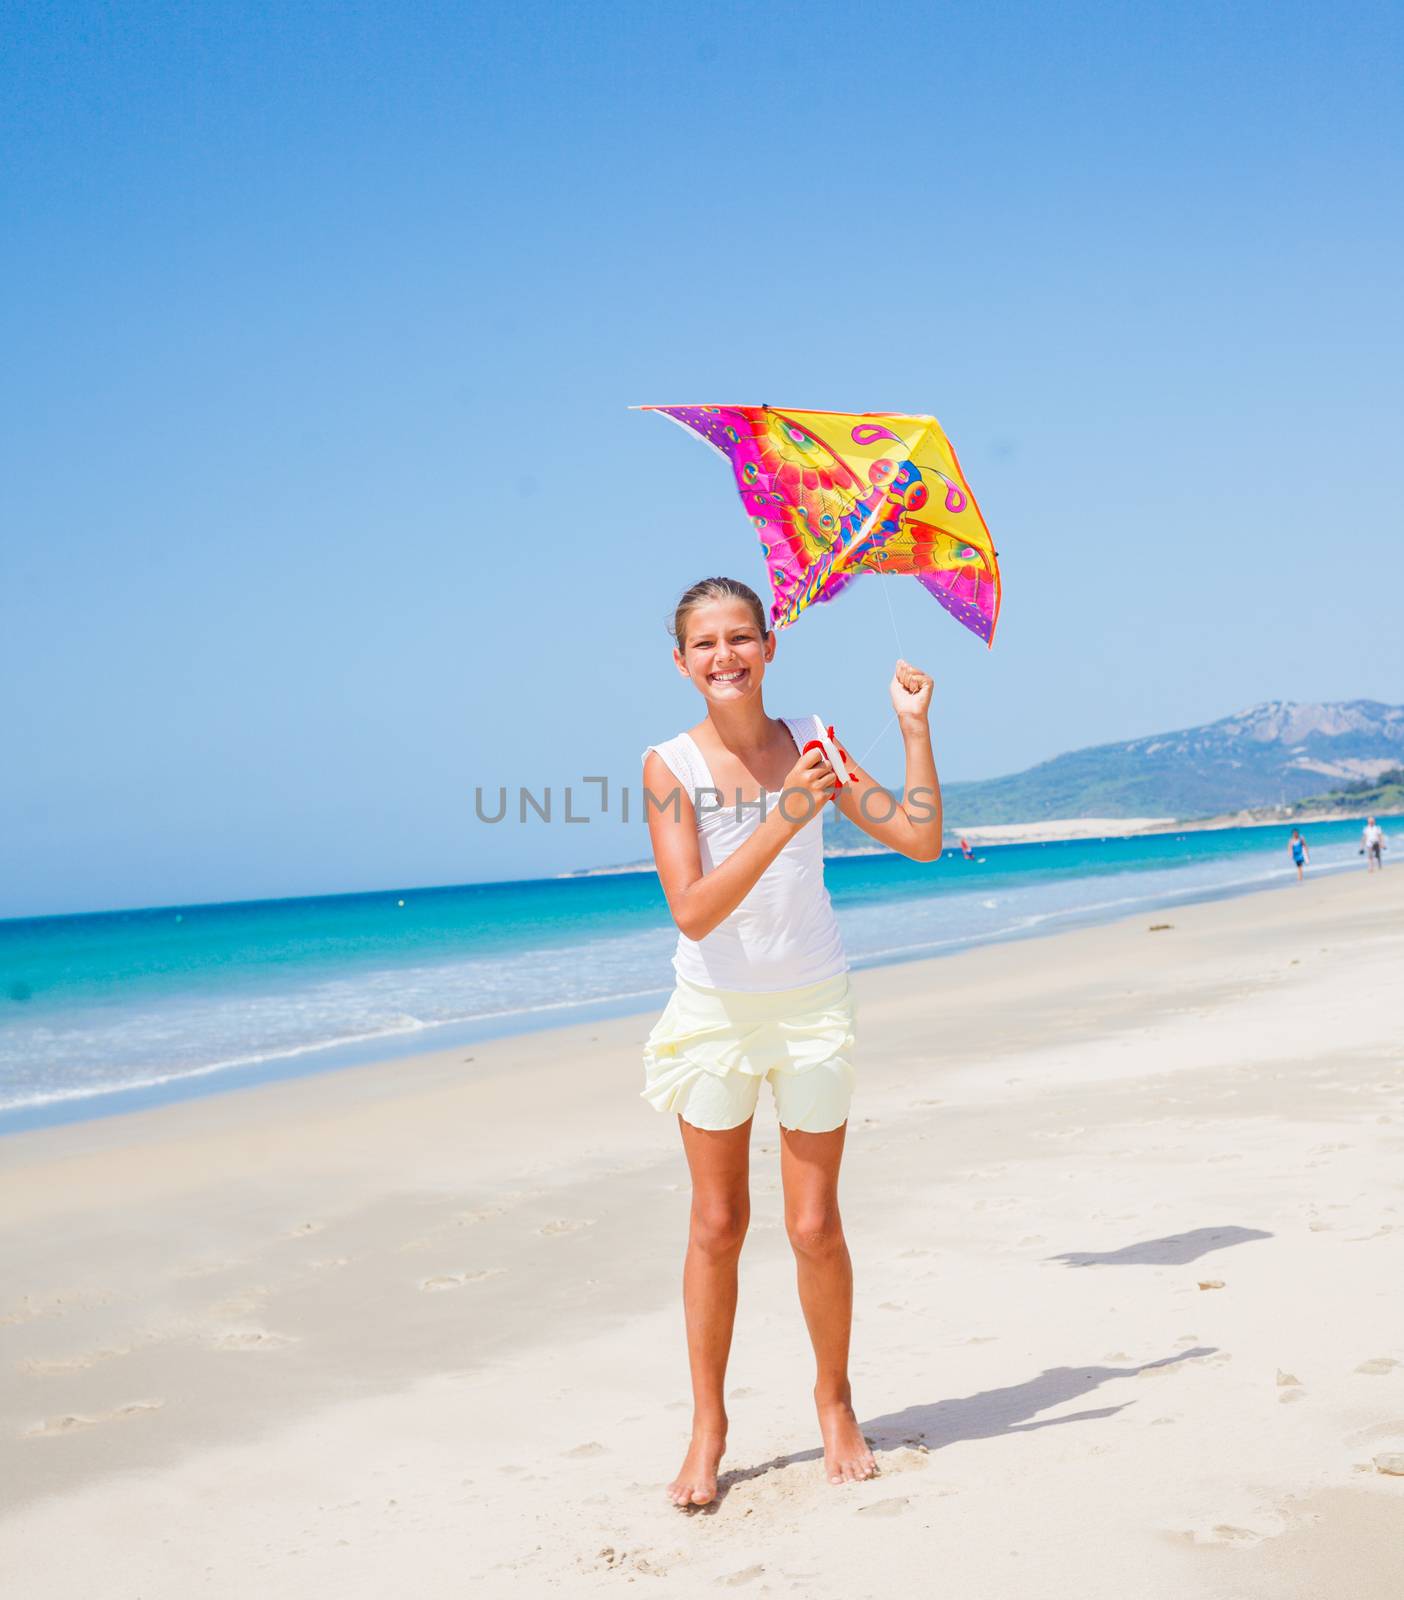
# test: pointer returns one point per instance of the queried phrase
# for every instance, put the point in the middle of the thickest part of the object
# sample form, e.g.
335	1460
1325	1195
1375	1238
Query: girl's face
724	652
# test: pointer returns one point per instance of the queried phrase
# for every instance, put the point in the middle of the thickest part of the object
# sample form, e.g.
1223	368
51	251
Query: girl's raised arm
912	825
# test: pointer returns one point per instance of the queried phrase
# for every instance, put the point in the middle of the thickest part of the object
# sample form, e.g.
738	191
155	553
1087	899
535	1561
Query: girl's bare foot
847	1458
696	1482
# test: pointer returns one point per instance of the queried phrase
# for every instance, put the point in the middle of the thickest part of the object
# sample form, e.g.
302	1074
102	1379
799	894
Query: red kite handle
833	739
814	744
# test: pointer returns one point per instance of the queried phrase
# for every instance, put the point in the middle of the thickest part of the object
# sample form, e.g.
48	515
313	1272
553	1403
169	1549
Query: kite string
886	725
887	595
893	716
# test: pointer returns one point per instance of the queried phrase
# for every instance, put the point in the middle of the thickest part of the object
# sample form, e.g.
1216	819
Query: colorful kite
833	494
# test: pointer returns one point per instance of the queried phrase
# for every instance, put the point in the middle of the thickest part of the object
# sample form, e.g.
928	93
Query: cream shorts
708	1052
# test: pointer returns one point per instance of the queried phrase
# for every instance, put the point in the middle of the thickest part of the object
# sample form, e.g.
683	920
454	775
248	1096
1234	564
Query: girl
734	814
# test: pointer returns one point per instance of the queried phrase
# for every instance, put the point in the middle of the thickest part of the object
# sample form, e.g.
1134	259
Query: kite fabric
833	494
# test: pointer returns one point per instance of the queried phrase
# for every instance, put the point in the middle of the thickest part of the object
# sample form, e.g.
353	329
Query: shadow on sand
988	1415
1175	1250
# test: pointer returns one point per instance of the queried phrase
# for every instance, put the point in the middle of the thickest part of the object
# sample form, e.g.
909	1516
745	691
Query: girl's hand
911	692
809	785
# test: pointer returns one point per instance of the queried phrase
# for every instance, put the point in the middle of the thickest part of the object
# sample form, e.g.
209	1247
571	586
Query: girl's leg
719	1160
809	1169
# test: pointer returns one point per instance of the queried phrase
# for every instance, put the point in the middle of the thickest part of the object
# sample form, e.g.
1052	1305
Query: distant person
1374	841
1301	856
965	849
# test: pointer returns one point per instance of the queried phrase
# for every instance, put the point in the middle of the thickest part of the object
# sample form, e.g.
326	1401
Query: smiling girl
734	809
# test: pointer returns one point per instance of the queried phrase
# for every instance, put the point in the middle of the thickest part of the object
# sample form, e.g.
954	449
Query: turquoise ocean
106	1012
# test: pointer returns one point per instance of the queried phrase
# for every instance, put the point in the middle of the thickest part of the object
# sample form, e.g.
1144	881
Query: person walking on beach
1301	856
734	814
1374	841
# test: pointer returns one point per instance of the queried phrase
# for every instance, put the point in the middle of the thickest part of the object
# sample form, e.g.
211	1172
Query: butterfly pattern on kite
834	494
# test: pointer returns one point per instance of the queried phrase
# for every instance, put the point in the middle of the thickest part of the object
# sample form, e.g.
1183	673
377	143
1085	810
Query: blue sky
322	504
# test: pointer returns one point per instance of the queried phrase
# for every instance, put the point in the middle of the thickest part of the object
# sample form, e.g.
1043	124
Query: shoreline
1049	831
323	1058
424	1313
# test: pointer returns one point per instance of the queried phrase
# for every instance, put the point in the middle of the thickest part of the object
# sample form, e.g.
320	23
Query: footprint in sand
1379	1433
251	1339
59	1306
245	1304
25	1313
303	1229
734	1580
593	1448
885	1508
636	1560
1378	1366
40	1368
207	1269
566	1225
54	1427
1226	1533
456	1280
1158	1373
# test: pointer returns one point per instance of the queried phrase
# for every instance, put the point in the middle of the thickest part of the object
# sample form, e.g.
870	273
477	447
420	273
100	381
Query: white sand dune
1061	828
1127	1217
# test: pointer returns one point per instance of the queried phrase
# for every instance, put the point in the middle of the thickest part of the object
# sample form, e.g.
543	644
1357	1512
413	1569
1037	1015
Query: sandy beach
1127	1218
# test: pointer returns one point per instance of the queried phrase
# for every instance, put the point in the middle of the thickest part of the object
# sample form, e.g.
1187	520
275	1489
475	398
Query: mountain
1269	755
1382	796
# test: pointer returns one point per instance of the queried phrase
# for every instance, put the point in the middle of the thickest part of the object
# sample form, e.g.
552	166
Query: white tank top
784	934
